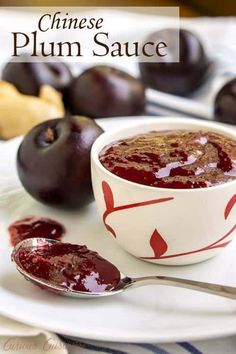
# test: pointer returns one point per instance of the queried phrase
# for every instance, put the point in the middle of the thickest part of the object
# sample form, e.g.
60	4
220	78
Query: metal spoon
125	282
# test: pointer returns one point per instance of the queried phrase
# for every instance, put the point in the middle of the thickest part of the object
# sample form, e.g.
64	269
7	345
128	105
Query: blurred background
202	85
188	8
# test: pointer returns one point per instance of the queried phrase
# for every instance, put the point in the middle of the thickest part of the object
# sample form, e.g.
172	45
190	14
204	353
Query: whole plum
178	78
53	161
103	91
225	103
28	76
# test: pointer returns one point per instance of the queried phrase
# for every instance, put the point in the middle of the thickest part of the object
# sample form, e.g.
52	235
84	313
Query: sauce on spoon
70	266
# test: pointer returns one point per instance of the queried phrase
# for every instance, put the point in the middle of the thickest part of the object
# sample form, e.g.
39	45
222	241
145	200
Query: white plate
150	314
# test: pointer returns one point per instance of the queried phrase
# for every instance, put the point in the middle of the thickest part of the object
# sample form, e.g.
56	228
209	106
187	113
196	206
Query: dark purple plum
178	78
53	161
225	103
103	91
28	77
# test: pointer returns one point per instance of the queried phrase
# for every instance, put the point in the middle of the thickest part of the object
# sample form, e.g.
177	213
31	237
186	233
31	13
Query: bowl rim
201	124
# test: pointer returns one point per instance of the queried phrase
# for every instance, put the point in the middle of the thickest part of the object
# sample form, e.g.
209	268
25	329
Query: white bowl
162	225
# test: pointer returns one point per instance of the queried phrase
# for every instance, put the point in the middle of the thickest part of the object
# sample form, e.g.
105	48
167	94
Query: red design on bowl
110	208
157	242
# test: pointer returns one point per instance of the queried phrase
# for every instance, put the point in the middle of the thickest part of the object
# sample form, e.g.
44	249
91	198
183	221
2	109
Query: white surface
150	314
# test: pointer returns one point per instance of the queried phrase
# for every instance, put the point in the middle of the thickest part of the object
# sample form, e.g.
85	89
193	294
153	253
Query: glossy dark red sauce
71	266
35	226
173	159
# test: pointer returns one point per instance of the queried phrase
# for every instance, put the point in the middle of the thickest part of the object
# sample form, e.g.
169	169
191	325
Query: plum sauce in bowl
173	202
173	159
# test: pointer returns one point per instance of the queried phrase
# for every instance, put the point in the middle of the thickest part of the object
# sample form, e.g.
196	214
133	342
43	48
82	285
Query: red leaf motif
230	205
158	244
108	196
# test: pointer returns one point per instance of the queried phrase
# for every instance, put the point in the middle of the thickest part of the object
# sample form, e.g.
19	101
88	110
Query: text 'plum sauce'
173	159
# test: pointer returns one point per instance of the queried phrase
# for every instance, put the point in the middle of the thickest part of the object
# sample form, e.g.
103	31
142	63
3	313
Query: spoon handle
215	289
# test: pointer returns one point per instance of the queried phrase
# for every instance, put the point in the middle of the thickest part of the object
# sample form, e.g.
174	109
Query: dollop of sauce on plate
35	226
